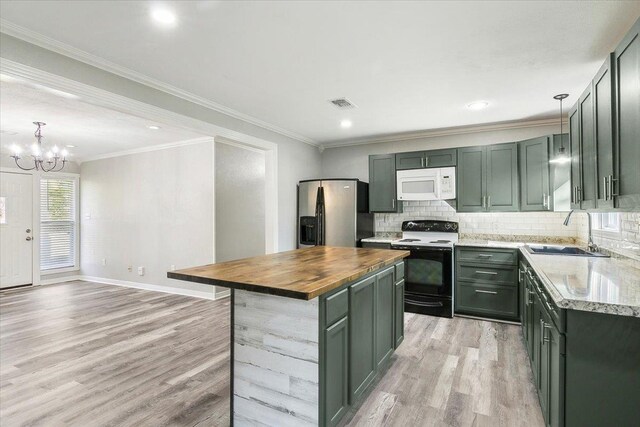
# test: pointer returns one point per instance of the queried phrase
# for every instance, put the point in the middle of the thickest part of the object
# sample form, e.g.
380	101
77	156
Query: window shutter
57	223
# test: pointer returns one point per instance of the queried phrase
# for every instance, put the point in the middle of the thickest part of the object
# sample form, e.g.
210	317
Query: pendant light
561	157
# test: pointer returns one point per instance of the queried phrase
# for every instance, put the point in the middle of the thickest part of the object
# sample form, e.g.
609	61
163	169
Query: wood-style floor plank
87	354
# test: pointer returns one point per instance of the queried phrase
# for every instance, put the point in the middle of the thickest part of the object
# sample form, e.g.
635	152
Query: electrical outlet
130	268
104	261
140	271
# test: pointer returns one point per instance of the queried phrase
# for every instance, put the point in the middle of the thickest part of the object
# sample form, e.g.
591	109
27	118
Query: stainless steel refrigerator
333	212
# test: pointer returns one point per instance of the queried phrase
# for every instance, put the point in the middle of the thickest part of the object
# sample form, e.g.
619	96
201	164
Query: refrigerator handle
320	212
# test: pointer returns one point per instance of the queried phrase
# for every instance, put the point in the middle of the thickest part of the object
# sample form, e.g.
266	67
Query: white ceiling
408	66
94	130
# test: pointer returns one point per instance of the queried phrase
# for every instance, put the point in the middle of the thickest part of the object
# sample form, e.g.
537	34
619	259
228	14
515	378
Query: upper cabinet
488	178
604	128
426	159
626	58
587	195
603	85
382	183
535	187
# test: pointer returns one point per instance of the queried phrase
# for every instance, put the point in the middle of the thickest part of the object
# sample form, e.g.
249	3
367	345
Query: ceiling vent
342	103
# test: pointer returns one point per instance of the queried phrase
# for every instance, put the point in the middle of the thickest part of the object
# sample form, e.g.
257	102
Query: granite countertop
301	273
379	239
602	285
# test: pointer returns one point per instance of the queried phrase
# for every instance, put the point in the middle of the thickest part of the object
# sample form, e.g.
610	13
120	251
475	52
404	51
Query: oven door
428	271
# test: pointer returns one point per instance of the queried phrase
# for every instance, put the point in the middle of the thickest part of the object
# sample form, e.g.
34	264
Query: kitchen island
311	330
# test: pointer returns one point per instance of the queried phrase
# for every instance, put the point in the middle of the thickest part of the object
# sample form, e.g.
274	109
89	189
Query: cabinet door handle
393	203
479	291
422	162
493	273
483	203
605	187
545	327
578	194
426	160
611	193
488	201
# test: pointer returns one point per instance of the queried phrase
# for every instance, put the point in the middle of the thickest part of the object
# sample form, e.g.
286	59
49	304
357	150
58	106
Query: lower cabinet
385	328
486	283
336	355
361	325
362	311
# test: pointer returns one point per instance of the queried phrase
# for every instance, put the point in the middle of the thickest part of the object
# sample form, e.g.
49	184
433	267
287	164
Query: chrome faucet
591	247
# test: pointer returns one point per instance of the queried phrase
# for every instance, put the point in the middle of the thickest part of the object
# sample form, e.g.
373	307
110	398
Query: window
58	223
609	221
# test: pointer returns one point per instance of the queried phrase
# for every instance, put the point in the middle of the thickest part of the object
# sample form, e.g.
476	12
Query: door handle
28	230
611	193
480	291
28	239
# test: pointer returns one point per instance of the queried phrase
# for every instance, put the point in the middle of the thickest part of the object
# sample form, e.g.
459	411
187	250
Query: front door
16	229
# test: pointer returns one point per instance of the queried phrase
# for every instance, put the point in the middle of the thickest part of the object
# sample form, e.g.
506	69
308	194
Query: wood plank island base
311	330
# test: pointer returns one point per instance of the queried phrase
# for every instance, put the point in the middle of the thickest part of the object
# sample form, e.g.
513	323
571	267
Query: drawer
399	271
488	255
376	245
507	275
486	300
336	306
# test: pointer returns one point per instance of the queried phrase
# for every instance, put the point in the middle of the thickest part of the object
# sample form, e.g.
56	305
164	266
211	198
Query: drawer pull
479	291
493	273
484	256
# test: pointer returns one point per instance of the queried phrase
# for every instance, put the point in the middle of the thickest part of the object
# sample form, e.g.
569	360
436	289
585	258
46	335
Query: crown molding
56	46
461	130
148	149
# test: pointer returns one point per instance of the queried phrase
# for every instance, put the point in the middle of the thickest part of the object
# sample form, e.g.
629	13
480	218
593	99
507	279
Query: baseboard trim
210	295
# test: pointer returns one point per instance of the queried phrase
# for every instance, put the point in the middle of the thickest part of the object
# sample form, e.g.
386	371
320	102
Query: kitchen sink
562	250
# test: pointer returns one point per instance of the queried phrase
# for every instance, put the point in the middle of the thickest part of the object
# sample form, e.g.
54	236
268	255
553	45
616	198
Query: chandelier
51	161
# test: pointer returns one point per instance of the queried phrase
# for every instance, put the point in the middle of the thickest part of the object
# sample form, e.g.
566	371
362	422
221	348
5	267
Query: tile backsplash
521	226
530	224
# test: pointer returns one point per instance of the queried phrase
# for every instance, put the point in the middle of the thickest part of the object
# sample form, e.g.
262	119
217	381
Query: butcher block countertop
301	273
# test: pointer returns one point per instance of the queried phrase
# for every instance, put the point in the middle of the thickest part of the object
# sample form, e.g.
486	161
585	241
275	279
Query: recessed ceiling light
346	124
478	105
154	127
163	16
70	146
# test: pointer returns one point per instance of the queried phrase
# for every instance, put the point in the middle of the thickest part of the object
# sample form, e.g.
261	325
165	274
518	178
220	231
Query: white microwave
426	184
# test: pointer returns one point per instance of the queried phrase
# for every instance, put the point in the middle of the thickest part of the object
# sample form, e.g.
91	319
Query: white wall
151	209
240	202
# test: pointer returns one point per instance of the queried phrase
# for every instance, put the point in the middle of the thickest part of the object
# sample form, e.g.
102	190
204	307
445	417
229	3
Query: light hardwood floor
86	354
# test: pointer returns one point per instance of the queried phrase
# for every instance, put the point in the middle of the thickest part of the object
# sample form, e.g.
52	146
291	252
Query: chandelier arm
15	158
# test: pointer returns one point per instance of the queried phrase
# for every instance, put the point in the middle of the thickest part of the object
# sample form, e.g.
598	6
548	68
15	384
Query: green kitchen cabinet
487	178
556	366
382	183
544	361
362	328
626	184
426	159
535	189
574	143
587	195
536	337
398	321
336	379
603	85
502	178
471	179
385	328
